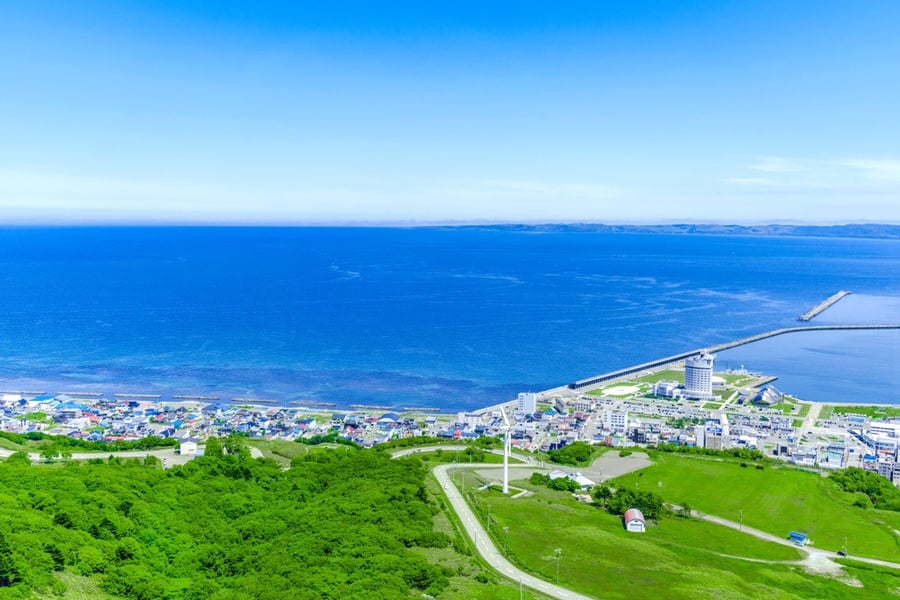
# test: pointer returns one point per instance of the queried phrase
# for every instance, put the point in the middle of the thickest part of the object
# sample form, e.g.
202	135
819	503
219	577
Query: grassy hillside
677	559
776	500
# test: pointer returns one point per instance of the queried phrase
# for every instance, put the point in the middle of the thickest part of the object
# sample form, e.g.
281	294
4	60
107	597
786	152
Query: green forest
225	526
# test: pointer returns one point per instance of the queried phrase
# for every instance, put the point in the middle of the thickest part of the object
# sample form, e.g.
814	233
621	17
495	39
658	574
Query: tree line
872	489
150	442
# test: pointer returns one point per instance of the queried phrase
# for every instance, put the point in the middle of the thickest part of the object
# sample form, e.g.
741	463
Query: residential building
527	403
615	420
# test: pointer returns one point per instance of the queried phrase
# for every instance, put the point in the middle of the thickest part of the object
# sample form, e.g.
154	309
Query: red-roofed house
634	520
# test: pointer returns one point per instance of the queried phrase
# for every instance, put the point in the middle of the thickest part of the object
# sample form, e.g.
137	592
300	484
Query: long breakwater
670	360
821	306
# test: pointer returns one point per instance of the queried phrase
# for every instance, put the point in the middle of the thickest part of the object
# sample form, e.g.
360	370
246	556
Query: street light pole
505	539
558	552
741	514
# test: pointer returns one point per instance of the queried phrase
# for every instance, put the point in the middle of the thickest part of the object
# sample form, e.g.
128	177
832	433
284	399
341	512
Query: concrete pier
821	306
677	358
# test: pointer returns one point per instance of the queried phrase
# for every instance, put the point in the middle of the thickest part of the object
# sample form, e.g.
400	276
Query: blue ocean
453	318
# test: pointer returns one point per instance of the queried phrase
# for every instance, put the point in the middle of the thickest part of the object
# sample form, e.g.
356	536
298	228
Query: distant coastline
866	230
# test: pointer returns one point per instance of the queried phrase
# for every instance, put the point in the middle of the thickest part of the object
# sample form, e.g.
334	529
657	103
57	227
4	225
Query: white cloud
84	197
751	181
888	170
792	174
777	164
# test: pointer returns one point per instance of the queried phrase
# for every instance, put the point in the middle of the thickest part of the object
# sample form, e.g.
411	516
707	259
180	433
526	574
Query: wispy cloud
777	164
39	192
865	174
883	170
750	181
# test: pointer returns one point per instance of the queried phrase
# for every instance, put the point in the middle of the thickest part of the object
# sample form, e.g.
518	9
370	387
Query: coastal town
686	403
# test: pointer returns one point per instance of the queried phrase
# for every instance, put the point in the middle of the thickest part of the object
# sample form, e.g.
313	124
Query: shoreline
157	394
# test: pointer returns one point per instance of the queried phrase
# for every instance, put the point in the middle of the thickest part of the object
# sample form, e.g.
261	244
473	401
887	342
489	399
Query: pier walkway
672	360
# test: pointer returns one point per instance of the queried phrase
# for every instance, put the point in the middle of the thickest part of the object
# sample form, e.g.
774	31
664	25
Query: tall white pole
505	451
506	461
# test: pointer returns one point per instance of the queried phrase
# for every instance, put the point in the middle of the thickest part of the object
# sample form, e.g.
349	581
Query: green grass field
785	407
775	500
660	375
460	456
675	559
735	380
875	412
78	587
283	451
10	445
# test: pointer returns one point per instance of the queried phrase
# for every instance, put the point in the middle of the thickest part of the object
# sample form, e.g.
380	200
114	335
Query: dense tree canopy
226	527
572	454
617	502
743	452
879	490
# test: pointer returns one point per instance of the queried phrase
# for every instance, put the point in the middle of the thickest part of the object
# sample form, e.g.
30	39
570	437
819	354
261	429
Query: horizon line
412	223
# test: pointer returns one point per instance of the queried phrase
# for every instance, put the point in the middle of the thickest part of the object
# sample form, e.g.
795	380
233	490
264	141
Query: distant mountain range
867	230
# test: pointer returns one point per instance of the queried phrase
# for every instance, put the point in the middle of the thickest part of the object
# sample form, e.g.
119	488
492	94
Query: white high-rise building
615	420
698	372
527	403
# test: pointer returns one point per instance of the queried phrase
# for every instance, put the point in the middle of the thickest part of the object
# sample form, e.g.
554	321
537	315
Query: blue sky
296	112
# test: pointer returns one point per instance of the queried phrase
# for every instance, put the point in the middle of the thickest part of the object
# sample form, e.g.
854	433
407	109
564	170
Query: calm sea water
449	318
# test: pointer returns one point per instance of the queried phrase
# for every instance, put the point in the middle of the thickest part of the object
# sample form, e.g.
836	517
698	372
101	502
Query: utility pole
558	552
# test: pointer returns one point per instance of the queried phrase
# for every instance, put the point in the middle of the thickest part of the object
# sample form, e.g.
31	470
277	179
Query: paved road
485	546
819	560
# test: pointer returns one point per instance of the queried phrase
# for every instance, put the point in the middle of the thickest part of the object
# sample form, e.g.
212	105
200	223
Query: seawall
821	306
669	360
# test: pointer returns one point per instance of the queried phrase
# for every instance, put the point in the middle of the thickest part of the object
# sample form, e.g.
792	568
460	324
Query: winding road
485	546
816	560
